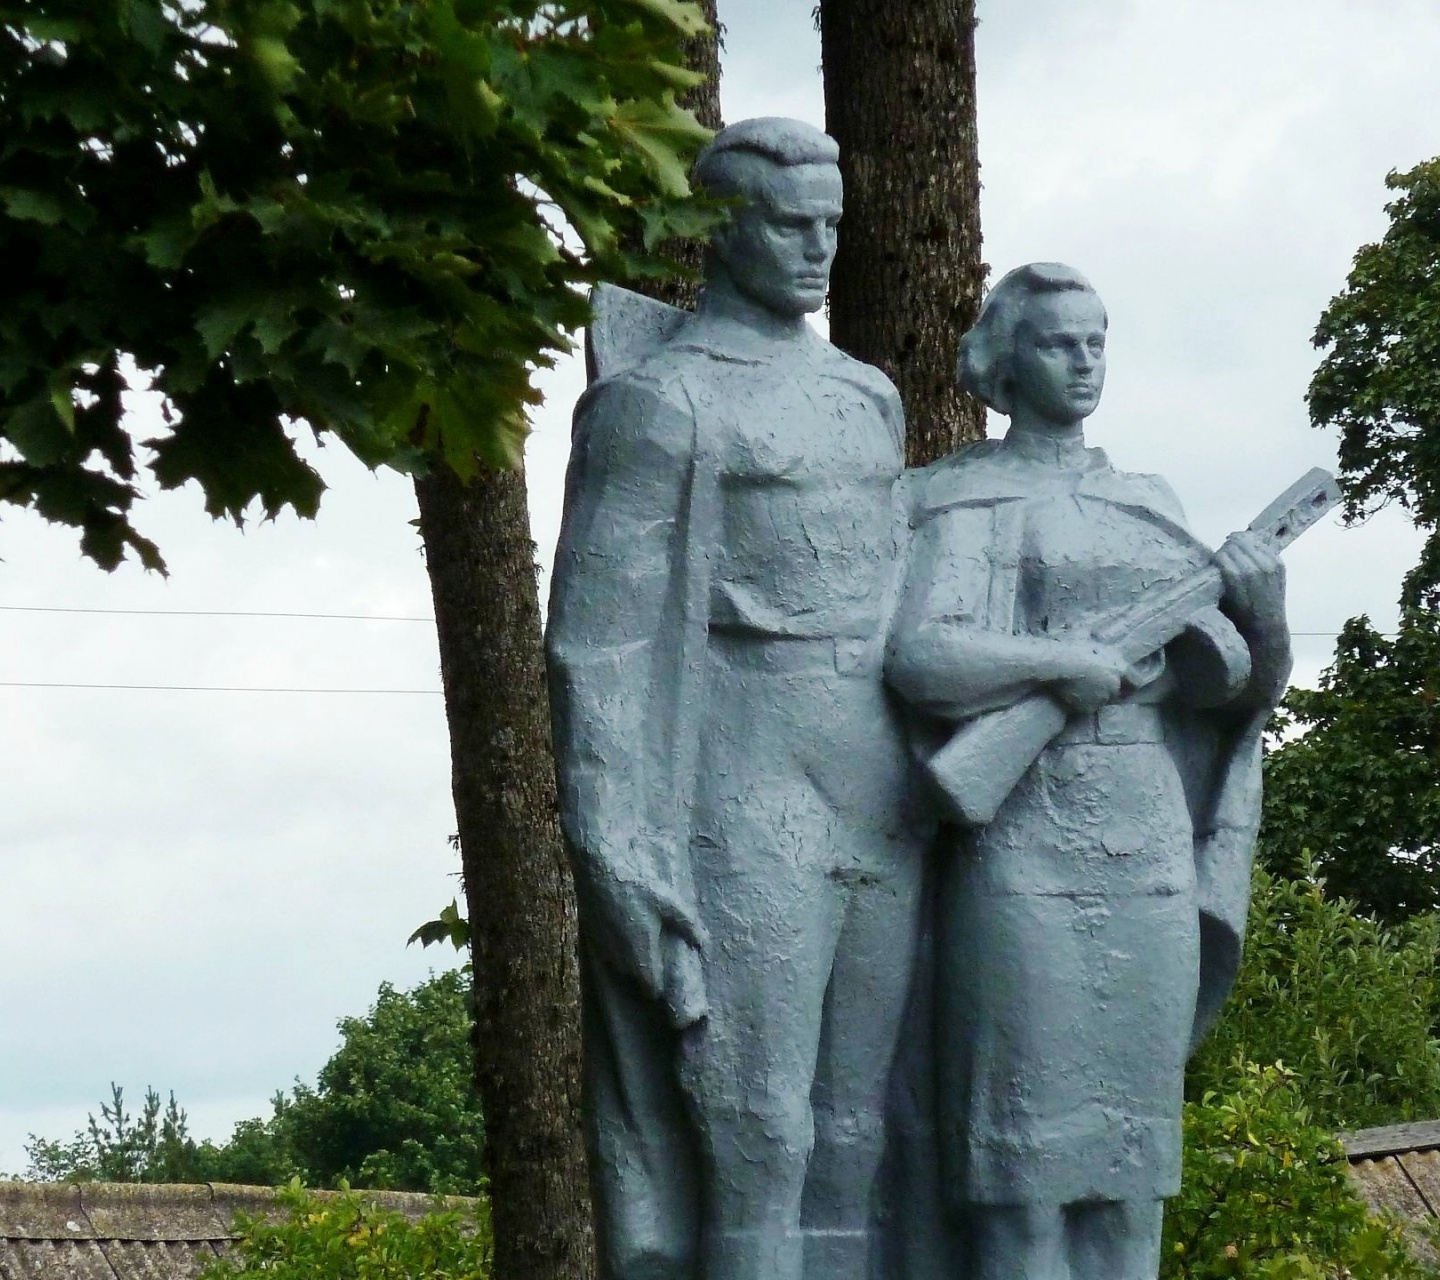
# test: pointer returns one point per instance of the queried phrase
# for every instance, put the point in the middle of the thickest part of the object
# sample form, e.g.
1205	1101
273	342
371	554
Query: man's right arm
614	631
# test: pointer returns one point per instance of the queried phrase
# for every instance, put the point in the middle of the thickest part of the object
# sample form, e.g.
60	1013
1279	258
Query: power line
349	617
202	688
216	613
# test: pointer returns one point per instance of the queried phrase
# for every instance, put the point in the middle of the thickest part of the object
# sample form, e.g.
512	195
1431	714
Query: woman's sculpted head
1038	345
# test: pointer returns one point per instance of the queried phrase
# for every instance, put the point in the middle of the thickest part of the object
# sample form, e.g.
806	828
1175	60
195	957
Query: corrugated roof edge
1391	1140
162	1211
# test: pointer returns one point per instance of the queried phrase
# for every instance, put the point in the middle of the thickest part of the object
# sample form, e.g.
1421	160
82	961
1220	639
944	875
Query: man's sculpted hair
986	352
736	159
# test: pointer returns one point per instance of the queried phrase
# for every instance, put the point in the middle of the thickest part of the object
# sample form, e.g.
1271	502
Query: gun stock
988	755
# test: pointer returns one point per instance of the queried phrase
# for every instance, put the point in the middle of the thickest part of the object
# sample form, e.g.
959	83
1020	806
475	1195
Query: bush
344	1238
1347	1004
394	1108
1266	1193
1360	785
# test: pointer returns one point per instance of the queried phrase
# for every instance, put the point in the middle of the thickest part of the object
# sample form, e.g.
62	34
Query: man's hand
645	932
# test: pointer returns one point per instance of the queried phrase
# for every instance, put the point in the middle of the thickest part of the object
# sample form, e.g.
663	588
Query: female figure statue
1088	931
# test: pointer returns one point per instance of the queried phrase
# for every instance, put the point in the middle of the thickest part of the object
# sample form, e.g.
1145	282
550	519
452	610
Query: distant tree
395	1107
154	1146
1379	380
1359	789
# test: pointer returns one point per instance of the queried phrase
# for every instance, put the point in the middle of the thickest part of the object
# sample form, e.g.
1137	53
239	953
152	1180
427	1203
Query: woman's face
1058	369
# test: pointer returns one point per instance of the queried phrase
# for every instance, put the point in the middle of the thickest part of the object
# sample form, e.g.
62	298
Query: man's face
1058	370
778	247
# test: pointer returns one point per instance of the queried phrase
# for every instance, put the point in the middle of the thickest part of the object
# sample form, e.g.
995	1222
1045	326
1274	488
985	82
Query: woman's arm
1255	602
941	661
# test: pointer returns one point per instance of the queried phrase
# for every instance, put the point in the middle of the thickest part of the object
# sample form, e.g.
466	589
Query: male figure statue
733	781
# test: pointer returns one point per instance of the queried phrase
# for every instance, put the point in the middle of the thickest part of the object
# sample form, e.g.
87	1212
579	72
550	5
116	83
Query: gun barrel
1140	629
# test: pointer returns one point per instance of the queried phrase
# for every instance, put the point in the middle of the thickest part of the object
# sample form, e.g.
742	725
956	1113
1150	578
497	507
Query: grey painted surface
764	903
734	777
1086	933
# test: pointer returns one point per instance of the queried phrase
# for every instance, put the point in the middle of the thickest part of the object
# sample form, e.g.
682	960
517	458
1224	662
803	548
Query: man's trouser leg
801	803
644	1162
773	922
864	1007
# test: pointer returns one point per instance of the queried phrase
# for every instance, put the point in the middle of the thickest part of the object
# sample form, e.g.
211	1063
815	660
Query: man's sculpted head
1040	338
778	245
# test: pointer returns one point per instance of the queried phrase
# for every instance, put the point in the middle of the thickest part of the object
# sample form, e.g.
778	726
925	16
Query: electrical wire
203	688
216	613
348	617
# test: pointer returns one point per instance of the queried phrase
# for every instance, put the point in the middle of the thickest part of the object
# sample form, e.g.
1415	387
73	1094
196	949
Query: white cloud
198	885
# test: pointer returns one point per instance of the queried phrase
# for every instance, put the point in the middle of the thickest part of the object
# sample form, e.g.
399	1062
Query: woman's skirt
1067	964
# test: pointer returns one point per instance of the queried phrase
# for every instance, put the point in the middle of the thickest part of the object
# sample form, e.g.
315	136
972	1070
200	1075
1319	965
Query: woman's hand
1096	675
1255	600
1254	582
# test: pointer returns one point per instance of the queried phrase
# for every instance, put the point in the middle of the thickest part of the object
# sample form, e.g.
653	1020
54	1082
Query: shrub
1266	1193
345	1238
1346	1003
394	1108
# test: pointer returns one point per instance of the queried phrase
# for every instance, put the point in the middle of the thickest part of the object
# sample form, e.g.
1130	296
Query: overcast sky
197	885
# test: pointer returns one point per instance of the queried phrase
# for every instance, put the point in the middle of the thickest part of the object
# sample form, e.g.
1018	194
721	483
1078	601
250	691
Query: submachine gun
990	753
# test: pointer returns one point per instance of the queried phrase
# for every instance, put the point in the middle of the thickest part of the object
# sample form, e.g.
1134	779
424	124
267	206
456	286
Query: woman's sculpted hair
987	350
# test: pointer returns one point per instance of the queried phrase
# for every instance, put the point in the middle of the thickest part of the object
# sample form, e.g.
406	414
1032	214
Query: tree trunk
701	54
518	889
900	100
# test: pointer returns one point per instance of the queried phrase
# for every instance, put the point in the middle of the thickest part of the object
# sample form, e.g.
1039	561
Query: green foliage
1266	1193
449	926
346	1239
394	1108
1379	382
1348	1004
1361	787
368	216
154	1146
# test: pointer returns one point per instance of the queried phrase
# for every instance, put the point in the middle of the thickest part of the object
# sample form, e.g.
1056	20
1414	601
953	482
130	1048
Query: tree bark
518	889
701	54
520	898
900	101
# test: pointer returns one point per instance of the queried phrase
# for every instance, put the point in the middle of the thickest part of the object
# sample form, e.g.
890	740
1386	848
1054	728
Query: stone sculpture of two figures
911	812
